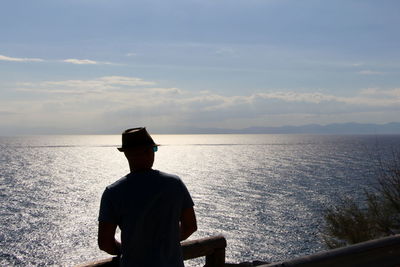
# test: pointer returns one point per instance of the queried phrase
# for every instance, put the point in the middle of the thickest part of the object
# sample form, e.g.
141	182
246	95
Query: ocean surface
264	193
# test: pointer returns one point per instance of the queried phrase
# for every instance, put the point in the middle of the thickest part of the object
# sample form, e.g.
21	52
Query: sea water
265	193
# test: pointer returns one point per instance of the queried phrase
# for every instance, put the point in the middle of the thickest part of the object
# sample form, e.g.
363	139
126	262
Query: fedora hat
136	137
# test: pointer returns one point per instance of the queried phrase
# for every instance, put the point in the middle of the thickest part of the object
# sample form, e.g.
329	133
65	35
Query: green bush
350	222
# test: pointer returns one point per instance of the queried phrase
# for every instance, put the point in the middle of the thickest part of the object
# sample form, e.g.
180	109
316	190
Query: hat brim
123	149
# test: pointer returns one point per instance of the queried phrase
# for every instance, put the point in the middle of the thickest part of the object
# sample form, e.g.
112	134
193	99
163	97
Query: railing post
213	248
216	259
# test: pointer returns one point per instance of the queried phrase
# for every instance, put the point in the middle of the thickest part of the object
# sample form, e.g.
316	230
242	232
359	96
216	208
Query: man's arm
106	239
188	223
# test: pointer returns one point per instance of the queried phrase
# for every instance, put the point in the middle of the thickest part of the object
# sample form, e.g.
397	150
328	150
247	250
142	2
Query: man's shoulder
119	183
167	175
153	177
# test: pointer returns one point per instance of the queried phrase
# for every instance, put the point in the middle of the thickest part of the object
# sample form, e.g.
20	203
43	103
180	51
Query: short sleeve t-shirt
147	208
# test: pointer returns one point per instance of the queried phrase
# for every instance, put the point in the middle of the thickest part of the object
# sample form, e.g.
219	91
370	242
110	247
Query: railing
213	248
384	252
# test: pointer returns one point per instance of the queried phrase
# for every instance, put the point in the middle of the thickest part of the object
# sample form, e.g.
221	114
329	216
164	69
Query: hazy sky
87	66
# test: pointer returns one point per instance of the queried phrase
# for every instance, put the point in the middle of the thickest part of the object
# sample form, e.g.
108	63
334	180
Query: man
154	210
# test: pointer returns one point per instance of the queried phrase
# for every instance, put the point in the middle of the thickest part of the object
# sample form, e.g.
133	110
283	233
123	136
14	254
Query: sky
101	66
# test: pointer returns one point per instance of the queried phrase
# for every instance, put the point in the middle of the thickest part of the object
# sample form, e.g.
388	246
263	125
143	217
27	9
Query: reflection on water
263	192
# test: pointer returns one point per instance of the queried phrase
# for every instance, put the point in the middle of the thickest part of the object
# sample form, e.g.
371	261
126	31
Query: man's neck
136	170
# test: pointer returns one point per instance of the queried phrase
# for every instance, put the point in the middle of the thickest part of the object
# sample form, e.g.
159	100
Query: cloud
121	80
7	113
81	61
127	100
315	98
381	93
80	87
225	51
128	87
15	59
369	72
164	91
381	98
70	60
124	89
87	62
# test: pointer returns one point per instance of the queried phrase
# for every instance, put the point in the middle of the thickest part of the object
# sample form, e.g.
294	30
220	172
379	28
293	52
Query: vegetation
350	222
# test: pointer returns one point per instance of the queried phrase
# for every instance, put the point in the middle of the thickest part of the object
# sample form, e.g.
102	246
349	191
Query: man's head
139	148
136	137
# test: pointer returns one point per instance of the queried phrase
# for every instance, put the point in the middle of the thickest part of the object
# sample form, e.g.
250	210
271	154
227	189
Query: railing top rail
191	249
379	252
202	247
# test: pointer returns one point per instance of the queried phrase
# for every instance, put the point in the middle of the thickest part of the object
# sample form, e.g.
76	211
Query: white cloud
15	59
370	91
81	61
123	99
370	72
383	93
315	98
87	62
164	91
70	60
225	51
123	89
122	80
79	87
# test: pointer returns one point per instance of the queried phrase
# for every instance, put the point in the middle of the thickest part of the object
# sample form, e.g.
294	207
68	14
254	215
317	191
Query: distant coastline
336	128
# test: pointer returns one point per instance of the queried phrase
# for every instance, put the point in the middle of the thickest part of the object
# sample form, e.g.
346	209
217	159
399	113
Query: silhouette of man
154	210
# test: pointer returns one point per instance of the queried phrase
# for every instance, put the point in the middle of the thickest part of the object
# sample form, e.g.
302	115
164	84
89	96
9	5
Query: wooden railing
384	252
213	248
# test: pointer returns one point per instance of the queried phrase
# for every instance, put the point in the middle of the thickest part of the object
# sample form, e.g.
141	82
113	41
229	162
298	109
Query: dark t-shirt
147	207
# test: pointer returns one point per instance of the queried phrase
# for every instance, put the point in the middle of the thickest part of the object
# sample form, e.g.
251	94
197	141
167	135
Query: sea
265	193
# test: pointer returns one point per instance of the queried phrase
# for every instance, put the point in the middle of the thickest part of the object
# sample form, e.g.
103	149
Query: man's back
154	210
147	207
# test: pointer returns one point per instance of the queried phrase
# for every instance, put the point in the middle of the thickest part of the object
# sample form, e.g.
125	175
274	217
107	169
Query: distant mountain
336	128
